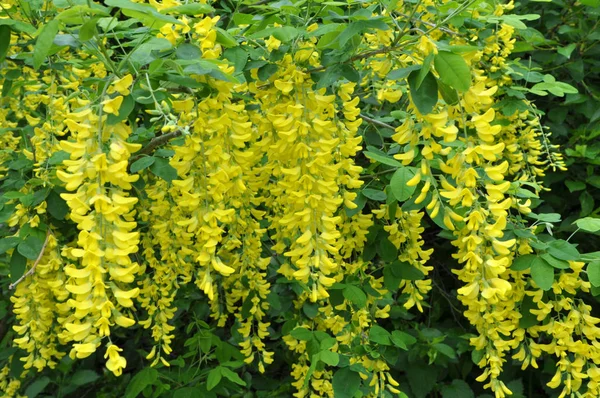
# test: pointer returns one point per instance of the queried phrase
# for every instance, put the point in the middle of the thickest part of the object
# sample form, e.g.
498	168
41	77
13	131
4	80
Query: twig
155	142
377	122
358	57
446	30
37	260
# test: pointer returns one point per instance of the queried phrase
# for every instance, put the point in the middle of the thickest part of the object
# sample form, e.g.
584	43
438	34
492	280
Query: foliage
319	198
572	29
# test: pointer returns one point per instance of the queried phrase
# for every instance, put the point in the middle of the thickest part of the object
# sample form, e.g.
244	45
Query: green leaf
542	273
83	377
283	33
330	358
399	74
144	13
31	247
546	217
161	168
426	96
449	94
142	163
226	39
17	266
563	250
302	334
401	191
458	389
593	272
402	339
5	32
58	157
18	26
355	295
555	262
387	250
214	378
189	9
144	378
379	335
57	207
190	392
445	349
8	243
589	224
566	51
35	388
421	378
374	194
522	263
188	51
382	159
424	70
232	376
453	70
528	319
345	383
238	57
44	42
406	271
88	30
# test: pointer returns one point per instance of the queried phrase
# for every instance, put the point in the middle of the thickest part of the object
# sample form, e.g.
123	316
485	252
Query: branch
358	57
155	142
377	122
37	260
446	30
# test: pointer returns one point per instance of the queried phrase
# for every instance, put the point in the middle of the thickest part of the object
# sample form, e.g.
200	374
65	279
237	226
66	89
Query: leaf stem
37	260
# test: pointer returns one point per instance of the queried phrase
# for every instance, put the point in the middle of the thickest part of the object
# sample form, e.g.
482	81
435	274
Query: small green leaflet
589	224
142	164
398	185
43	43
374	194
345	383
355	295
214	378
424	70
453	70
4	41
593	272
426	96
31	247
383	159
542	273
161	168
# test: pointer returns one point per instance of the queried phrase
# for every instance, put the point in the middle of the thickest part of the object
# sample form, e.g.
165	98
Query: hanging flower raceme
100	270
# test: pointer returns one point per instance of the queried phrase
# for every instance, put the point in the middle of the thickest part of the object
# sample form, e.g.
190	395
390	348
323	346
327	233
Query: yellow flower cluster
100	269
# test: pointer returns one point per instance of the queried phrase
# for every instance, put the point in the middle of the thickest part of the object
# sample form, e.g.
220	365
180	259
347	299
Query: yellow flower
122	85
116	363
112	105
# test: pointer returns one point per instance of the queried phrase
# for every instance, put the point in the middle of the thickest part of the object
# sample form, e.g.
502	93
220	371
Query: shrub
277	199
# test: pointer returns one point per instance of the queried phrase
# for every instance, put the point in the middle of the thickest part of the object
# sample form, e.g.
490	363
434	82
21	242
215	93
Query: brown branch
155	142
37	260
377	122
